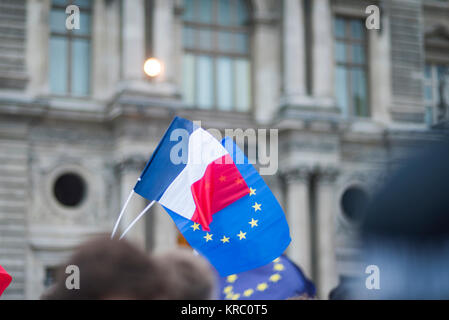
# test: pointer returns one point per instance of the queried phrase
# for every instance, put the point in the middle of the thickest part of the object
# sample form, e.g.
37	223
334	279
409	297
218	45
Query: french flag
202	182
5	280
191	174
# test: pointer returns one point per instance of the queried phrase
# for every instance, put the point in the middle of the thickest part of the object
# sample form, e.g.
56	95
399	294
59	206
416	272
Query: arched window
216	66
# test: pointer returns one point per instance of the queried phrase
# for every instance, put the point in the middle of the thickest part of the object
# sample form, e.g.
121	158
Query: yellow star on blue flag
279	280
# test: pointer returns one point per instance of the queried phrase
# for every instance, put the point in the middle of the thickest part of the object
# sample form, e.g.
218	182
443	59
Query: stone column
266	63
133	39
130	172
298	216
37	48
111	61
274	183
294	53
163	32
379	45
101	70
322	53
325	209
165	231
177	44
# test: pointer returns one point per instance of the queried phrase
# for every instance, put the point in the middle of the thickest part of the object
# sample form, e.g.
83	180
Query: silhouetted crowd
115	269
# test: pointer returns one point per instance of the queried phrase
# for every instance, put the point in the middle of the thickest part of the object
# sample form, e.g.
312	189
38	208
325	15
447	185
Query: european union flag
248	233
278	280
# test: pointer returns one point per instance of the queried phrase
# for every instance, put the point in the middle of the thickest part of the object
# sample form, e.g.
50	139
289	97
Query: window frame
348	40
50	275
70	37
434	82
214	54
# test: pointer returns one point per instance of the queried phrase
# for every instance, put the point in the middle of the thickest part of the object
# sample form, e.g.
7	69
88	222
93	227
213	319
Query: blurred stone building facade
79	118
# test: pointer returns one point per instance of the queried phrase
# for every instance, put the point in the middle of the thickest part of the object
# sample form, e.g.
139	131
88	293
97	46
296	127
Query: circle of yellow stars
260	287
254	223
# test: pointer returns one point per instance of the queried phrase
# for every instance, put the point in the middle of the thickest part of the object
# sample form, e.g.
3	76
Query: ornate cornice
299	174
327	174
132	163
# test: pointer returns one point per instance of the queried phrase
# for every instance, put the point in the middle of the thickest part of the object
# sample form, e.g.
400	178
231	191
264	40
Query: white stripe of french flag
209	182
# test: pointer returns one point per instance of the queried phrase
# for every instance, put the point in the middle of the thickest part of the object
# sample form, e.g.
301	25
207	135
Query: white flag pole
137	218
121	213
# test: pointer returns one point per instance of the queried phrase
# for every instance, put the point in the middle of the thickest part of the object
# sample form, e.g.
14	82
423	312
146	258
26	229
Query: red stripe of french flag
209	182
5	280
221	185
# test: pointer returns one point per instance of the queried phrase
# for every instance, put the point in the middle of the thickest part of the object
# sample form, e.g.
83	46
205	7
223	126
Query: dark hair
414	203
110	269
405	232
190	277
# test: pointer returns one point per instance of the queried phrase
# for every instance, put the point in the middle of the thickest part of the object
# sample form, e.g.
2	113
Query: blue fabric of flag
249	233
160	170
279	280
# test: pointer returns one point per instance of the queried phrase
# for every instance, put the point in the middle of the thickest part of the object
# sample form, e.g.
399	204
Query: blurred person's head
191	277
344	289
110	269
406	229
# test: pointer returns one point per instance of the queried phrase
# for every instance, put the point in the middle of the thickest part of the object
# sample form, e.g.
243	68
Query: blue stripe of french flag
191	174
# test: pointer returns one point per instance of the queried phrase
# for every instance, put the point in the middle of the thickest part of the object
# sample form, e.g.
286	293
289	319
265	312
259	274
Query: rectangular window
189	79
50	276
242	85
351	85
205	74
216	66
436	88
70	50
224	83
